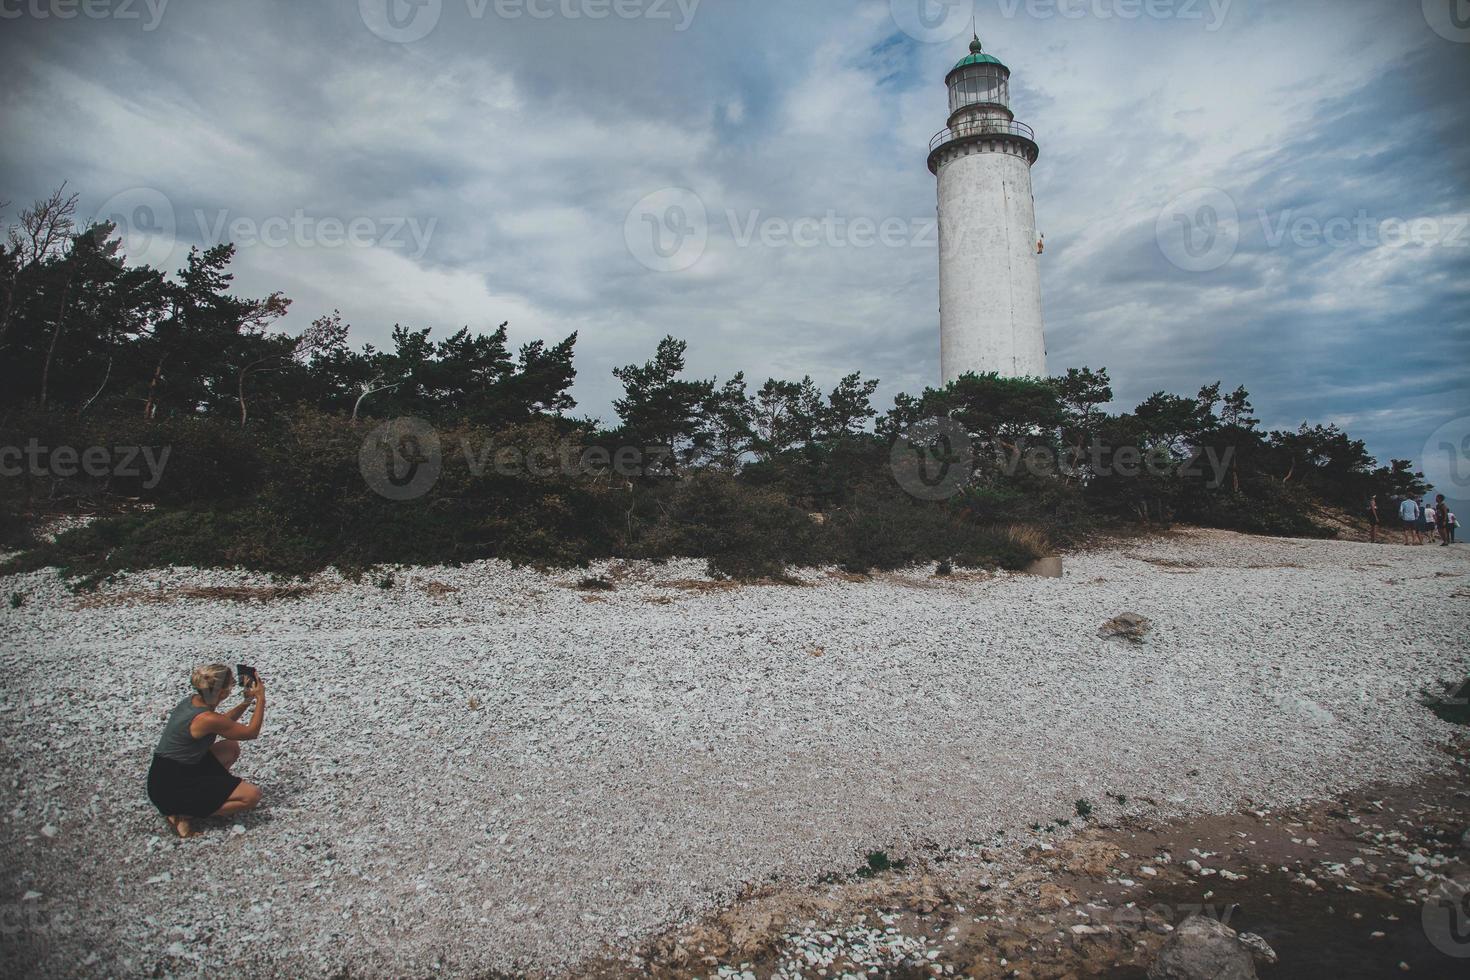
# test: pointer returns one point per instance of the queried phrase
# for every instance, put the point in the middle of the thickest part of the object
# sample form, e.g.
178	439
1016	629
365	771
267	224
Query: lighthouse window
979	84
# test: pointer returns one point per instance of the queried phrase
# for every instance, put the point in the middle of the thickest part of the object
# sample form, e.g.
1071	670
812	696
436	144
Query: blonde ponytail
210	681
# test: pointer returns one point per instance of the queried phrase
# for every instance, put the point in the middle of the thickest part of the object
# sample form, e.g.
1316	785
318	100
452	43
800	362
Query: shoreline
1335	887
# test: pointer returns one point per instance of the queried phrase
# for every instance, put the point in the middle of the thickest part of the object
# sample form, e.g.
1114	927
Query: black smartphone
246	674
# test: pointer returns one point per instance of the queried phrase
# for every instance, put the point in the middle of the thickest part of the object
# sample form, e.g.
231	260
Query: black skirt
179	789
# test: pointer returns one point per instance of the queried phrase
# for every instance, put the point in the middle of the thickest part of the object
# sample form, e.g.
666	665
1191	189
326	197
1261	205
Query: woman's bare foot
181	826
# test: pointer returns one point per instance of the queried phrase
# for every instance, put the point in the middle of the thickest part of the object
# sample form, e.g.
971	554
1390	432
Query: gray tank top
176	742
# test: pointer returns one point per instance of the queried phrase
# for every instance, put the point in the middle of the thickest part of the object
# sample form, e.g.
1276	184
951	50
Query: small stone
237	829
48	831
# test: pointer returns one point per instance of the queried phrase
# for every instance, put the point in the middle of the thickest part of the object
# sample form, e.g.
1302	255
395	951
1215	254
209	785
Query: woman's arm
213	723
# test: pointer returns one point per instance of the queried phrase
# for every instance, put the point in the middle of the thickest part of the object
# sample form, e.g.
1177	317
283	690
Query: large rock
1045	568
1203	949
1129	626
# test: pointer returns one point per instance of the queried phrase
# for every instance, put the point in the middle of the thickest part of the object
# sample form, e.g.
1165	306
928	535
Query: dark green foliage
263	430
878	862
744	532
1084	808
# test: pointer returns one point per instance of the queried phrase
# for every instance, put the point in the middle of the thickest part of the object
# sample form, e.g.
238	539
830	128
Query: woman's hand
254	691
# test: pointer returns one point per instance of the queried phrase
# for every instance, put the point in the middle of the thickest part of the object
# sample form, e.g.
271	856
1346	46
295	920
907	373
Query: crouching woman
190	776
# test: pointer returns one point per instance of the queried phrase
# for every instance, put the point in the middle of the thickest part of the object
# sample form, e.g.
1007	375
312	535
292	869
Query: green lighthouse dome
977	56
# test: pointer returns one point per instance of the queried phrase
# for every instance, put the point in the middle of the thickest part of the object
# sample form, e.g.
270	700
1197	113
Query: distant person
1442	521
1409	518
1453	526
1373	521
190	776
1426	523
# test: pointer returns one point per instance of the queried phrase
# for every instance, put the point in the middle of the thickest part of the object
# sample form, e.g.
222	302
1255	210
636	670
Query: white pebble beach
484	768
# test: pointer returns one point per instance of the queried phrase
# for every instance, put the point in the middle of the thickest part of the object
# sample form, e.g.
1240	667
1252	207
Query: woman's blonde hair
211	680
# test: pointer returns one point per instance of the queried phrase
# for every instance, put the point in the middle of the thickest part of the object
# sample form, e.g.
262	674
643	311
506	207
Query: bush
743	532
1263	506
884	529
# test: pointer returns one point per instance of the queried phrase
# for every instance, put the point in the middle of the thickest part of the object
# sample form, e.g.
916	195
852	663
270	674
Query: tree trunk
8	308
363	397
56	335
106	375
150	405
244	373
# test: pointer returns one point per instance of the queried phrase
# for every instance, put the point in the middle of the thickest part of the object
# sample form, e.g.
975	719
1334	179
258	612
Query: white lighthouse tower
989	252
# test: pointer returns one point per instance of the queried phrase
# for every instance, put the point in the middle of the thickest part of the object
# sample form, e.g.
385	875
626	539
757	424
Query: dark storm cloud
518	145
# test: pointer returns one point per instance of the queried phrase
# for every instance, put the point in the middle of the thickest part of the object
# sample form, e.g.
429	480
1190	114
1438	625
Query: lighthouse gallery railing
982	127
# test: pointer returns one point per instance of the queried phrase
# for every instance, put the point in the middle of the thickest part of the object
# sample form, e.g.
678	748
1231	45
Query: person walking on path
1454	525
1442	520
1373	521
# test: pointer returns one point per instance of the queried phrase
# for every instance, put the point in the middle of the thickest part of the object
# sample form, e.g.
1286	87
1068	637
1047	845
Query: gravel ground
486	769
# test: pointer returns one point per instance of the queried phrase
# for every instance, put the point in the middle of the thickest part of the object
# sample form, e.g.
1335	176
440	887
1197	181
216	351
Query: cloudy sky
1274	194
